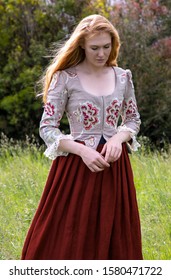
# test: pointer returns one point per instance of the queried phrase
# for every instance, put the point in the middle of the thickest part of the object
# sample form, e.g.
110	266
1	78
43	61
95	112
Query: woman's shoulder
70	72
124	74
64	75
122	71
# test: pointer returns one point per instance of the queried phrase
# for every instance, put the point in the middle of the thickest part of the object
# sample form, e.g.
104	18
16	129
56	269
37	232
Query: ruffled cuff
133	144
52	151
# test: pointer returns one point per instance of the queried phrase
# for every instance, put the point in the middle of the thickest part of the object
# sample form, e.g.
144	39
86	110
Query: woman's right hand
93	159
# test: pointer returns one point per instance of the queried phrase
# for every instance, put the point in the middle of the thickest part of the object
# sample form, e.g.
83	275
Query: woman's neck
89	68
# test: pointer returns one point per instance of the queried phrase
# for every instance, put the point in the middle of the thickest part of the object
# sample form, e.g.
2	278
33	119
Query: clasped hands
98	161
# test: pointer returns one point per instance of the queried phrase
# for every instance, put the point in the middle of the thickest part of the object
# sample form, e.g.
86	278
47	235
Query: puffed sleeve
53	111
130	115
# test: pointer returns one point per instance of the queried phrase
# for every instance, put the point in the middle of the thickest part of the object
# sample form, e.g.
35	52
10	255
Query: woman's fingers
113	153
95	168
103	150
94	161
99	165
101	162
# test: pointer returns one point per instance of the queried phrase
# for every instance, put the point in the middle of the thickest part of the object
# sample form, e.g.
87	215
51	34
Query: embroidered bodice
89	116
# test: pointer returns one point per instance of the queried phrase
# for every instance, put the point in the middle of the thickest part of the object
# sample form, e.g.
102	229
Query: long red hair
71	53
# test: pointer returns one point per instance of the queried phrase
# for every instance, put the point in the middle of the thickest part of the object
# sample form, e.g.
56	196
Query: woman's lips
100	60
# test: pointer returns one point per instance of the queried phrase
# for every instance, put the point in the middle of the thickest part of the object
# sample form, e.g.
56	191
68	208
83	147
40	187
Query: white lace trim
134	145
52	151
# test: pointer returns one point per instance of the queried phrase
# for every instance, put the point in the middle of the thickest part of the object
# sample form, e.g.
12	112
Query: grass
153	183
23	172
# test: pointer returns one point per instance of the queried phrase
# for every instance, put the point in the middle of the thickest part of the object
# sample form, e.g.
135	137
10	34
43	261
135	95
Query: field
23	172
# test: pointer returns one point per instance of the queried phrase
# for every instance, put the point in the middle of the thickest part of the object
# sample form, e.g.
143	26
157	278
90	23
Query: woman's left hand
112	149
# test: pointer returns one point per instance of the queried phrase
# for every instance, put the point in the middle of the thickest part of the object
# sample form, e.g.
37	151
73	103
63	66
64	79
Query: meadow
23	172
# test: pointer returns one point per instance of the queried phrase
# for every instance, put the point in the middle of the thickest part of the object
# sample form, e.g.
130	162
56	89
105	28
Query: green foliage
101	7
142	25
153	184
23	170
29	29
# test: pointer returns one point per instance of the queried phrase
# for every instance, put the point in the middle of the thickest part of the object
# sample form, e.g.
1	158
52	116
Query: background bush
29	29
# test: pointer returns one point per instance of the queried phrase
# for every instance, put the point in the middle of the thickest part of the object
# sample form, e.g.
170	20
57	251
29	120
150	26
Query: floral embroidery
71	74
130	77
49	109
112	112
46	122
53	82
123	78
89	113
63	93
57	120
90	141
56	86
130	108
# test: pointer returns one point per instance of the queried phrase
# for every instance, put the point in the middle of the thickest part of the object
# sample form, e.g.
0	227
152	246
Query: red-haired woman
88	209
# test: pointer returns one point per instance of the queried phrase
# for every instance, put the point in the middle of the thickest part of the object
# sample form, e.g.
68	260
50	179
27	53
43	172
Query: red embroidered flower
130	108
90	115
112	112
49	109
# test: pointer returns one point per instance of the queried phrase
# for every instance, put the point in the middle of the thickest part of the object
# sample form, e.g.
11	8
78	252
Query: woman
88	209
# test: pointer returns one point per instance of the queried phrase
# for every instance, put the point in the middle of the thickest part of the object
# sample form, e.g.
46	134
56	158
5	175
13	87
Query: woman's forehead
100	38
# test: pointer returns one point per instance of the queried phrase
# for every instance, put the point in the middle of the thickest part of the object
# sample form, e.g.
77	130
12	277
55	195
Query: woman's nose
101	52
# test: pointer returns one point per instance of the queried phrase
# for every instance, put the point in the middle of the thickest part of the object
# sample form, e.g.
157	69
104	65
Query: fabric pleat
84	215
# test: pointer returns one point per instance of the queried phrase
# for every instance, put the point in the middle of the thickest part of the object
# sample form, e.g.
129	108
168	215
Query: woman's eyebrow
93	45
108	44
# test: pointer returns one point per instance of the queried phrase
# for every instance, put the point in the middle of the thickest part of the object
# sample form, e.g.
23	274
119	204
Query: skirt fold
86	215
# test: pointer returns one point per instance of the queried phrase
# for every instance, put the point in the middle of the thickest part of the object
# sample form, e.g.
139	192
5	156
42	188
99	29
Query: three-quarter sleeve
130	115
53	111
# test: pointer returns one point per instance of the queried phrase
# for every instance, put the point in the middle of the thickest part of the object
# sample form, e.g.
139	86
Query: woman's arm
130	116
113	147
53	111
93	159
129	127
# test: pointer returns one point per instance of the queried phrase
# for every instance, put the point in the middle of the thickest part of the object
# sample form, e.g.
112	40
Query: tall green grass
23	172
152	176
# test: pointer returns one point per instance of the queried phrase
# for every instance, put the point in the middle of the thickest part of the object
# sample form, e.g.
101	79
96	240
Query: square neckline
91	94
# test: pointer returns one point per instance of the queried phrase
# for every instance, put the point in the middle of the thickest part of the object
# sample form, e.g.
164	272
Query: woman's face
98	48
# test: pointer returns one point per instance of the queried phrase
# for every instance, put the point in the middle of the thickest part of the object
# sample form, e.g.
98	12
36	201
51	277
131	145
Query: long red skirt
86	216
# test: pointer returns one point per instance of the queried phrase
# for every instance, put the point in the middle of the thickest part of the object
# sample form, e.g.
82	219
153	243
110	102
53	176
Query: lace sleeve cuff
52	151
133	144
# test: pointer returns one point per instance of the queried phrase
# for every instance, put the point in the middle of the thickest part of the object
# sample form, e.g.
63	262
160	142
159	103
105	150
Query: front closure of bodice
90	116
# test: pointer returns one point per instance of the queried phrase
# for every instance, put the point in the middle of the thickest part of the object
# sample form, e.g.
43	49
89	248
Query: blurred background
29	29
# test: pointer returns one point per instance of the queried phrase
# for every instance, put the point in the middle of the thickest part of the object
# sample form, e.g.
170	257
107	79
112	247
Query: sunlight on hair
71	53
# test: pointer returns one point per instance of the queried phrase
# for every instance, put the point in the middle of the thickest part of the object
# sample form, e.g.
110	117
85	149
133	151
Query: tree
146	51
28	30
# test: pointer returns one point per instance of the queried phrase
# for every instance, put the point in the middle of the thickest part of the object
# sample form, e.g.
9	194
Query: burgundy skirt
84	215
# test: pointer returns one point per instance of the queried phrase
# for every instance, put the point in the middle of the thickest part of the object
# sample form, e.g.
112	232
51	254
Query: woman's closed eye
96	47
107	46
